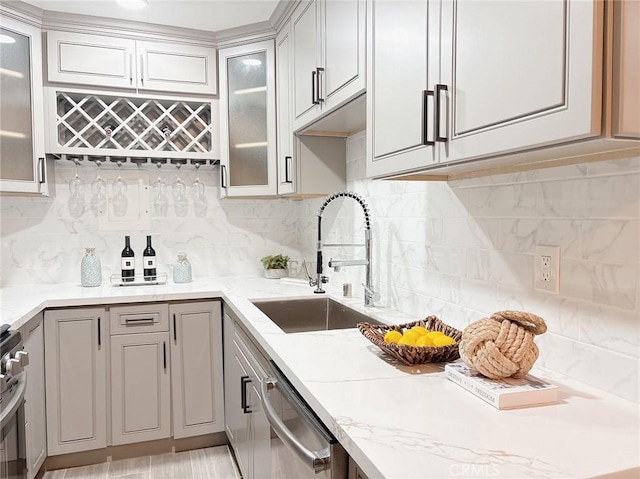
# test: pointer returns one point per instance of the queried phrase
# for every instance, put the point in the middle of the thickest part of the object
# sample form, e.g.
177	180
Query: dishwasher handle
319	460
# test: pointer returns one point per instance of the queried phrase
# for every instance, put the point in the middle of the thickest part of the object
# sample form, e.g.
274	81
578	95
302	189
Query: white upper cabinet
307	165
91	60
123	63
175	67
454	81
22	158
248	120
518	75
285	141
400	75
328	41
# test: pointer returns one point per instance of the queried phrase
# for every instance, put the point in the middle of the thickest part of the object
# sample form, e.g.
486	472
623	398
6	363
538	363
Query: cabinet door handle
244	380
164	354
318	84
142	70
99	333
314	82
425	117
287	169
223	176
439	89
130	68
41	170
175	333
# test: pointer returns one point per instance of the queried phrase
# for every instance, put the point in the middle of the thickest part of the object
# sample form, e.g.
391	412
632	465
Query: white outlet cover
553	285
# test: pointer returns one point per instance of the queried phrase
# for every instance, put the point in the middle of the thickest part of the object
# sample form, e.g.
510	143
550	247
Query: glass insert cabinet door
21	108
248	141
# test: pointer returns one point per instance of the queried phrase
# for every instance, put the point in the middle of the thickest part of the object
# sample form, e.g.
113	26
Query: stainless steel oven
13	459
301	446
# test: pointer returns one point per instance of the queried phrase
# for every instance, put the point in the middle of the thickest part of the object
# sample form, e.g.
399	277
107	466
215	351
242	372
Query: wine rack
136	126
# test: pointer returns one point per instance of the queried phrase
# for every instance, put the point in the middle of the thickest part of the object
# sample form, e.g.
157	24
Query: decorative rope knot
502	346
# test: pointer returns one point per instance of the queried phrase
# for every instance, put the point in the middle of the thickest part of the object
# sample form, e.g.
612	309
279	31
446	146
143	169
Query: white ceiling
208	15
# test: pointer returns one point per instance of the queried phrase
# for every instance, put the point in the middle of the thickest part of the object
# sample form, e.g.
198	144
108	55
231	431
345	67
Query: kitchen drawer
143	318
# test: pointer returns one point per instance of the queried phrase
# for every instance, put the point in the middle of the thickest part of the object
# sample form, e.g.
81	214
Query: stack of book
506	393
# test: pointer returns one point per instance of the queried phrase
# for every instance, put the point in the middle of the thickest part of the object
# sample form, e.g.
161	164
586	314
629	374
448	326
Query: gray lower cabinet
140	388
162	372
196	368
76	379
36	419
355	472
140	373
247	426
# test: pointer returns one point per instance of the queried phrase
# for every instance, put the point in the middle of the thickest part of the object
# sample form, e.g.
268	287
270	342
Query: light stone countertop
397	422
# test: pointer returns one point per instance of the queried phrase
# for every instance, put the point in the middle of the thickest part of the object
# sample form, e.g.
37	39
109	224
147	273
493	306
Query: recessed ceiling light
133	4
7	39
252	62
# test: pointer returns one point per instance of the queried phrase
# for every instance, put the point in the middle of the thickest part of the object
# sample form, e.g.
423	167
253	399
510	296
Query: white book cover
503	393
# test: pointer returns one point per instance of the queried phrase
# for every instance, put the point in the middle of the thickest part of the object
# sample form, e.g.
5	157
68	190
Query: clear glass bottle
90	269
182	269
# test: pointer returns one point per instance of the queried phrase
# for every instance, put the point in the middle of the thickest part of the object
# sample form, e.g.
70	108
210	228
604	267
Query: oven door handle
318	460
16	401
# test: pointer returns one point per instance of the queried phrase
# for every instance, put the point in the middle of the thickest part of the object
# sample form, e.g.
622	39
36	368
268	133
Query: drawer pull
138	320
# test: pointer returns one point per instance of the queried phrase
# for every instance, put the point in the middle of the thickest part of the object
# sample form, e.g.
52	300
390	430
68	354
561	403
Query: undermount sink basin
311	314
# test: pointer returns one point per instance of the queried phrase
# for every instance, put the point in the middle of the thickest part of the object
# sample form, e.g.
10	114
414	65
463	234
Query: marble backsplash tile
460	250
43	242
465	249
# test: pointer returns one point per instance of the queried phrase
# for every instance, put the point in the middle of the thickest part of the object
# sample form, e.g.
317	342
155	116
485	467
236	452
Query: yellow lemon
407	340
443	341
392	336
421	330
424	341
435	334
410	333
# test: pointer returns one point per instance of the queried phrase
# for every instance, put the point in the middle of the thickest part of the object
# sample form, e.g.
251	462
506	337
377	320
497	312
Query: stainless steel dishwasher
301	447
273	431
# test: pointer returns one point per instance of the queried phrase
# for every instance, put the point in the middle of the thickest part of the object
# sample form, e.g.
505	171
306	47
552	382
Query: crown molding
125	28
23	12
244	34
282	12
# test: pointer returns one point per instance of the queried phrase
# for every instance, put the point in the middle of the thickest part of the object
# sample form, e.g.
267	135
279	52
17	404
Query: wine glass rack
135	126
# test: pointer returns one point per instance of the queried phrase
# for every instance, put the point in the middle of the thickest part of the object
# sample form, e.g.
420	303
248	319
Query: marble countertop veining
396	421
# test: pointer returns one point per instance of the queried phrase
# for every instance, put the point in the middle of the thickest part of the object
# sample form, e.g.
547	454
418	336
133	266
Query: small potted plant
275	267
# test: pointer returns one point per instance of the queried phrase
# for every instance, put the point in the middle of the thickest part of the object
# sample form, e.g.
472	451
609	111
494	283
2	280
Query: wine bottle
128	262
149	261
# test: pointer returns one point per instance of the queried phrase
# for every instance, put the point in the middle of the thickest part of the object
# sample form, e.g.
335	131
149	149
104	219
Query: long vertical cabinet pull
41	170
287	169
223	176
99	333
439	89
175	333
130	68
244	380
142	70
164	354
319	85
425	117
314	82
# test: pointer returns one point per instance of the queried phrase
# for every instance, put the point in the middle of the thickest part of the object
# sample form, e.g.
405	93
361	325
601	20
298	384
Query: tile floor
210	463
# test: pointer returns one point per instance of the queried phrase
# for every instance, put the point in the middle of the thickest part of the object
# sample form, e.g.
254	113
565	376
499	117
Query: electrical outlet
547	269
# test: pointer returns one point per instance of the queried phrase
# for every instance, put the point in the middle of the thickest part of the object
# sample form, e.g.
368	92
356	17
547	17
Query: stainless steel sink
311	314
